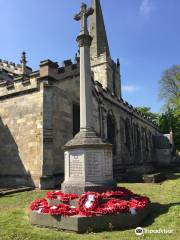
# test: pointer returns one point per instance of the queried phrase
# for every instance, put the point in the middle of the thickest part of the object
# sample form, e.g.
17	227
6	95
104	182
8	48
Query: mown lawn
14	223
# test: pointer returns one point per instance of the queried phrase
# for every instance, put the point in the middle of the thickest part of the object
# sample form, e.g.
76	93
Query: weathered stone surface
20	140
88	164
164	157
14	190
80	187
36	117
88	160
154	178
90	224
53	202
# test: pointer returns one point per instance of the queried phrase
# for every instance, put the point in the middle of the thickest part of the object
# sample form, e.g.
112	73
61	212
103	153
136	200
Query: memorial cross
84	41
83	16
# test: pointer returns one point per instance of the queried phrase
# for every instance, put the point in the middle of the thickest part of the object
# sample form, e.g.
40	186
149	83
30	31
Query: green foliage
169	86
171	120
169	90
146	111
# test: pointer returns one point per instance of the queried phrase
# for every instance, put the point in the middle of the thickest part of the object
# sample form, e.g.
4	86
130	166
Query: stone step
154	178
7	191
82	224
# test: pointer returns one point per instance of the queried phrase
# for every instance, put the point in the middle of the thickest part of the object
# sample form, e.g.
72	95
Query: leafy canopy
169	87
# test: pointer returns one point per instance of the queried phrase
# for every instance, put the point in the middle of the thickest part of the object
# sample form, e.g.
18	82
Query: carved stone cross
83	16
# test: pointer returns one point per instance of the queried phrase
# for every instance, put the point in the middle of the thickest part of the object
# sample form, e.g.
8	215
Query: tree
169	87
170	121
146	111
167	121
169	90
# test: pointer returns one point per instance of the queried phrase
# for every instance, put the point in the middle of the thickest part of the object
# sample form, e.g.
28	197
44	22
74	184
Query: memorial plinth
88	164
83	224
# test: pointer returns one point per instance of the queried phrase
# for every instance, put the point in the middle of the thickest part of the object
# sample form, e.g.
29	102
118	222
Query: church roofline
124	105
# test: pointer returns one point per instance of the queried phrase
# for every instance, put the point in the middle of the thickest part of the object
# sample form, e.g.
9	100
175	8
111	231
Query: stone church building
39	113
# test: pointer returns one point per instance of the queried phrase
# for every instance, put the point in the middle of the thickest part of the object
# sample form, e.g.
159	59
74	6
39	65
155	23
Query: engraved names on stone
108	163
93	163
76	165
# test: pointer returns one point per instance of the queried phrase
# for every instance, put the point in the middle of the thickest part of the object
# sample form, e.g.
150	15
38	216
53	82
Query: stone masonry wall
21	139
133	135
71	86
57	130
36	121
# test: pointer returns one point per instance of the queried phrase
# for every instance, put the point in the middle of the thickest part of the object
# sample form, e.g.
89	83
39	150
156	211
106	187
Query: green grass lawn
165	215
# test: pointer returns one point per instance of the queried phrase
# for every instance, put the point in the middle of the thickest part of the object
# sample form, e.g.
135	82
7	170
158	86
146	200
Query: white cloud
130	88
147	6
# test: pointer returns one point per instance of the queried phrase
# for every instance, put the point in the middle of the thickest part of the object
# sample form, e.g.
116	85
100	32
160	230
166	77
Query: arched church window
134	136
146	141
111	131
122	130
128	135
138	137
137	153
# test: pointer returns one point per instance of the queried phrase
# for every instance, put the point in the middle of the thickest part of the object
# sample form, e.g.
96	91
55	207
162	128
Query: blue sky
144	34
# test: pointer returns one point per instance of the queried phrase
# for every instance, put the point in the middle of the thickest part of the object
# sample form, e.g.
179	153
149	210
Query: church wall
57	131
134	144
62	125
133	138
21	138
96	116
72	88
58	101
37	117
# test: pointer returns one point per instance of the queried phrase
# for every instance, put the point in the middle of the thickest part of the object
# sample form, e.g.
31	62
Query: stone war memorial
67	126
88	159
90	199
40	114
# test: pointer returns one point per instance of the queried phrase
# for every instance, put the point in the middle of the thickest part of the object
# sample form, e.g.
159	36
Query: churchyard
102	207
165	215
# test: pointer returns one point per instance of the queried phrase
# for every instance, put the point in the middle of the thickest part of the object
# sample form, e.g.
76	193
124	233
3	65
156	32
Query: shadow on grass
172	176
157	210
169	174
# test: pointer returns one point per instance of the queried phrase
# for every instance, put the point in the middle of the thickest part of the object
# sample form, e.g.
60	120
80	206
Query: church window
76	119
128	135
111	131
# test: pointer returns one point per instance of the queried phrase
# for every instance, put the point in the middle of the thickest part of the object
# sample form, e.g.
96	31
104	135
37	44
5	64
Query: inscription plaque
93	163
108	163
76	165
